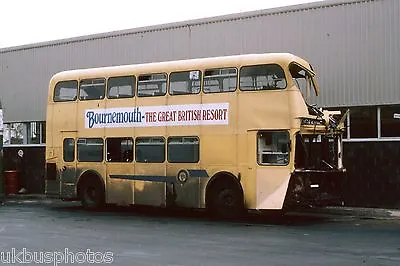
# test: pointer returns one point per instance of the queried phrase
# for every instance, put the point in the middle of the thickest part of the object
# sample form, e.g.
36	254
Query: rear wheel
227	202
92	194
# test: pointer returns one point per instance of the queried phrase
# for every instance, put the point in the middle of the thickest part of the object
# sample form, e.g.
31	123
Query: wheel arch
86	175
222	179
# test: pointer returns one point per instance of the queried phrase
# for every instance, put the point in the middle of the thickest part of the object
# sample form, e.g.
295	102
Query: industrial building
353	45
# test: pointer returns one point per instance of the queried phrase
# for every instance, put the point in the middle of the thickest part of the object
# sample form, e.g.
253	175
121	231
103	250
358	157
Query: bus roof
177	65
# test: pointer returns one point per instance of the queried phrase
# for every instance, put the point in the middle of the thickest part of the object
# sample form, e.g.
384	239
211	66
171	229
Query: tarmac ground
65	233
361	212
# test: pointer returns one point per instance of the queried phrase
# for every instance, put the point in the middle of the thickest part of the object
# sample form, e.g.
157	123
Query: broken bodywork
319	173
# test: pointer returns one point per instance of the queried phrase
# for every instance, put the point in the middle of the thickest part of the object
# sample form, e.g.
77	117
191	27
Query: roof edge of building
188	23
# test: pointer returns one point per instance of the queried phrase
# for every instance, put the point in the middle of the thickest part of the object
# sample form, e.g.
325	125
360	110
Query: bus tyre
92	194
227	203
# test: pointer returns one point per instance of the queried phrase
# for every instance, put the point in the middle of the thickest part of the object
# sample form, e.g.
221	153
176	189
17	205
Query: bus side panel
272	184
249	181
265	186
56	131
150	177
150	185
119	183
186	193
52	182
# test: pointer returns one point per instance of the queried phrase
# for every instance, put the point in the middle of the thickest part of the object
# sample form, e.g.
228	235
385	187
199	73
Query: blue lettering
131	118
96	118
120	118
114	117
109	118
103	118
138	115
89	115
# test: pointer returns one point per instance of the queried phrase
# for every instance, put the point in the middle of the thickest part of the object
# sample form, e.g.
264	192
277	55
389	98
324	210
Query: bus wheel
227	203
92	194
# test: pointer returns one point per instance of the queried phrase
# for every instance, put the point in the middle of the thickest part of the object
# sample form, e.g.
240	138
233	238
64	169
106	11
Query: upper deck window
66	91
121	87
304	81
220	80
262	77
187	82
92	89
152	85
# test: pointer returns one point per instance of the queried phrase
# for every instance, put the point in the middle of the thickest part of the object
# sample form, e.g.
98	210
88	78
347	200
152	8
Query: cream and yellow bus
226	134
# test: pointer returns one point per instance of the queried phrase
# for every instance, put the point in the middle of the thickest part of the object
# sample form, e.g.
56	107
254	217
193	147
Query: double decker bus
228	134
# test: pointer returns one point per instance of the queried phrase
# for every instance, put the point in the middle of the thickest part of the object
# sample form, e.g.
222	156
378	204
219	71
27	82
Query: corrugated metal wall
353	45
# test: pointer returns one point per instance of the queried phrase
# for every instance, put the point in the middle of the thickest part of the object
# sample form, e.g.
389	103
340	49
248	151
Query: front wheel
227	203
92	194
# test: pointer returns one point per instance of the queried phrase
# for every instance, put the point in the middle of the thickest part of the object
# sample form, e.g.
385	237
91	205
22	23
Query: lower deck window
273	147
90	149
150	150
183	149
119	149
69	150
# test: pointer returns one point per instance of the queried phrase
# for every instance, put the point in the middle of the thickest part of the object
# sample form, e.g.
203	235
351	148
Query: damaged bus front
317	179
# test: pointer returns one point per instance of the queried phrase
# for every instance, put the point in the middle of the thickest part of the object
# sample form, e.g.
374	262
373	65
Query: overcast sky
30	21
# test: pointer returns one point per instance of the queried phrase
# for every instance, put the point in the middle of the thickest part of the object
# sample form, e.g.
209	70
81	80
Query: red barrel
11	181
